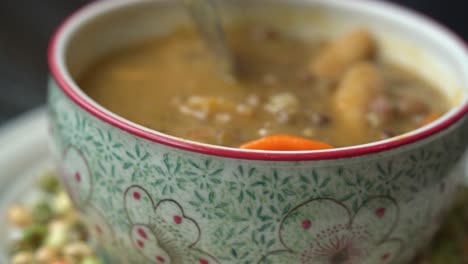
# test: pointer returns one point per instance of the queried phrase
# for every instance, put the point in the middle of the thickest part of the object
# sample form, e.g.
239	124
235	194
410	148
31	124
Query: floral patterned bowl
153	198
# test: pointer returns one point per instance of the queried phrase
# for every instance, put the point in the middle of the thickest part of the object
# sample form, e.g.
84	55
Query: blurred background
26	26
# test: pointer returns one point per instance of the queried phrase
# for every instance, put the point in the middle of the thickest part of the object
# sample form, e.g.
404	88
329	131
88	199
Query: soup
337	91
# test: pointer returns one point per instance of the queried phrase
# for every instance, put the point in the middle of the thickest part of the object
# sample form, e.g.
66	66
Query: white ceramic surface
23	156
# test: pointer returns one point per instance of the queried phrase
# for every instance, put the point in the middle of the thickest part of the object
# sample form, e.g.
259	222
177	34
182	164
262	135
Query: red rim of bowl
167	140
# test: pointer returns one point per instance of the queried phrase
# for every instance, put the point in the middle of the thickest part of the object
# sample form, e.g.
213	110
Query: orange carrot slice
430	118
285	143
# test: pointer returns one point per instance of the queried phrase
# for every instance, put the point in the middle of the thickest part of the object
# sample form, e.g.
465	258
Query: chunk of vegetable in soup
338	92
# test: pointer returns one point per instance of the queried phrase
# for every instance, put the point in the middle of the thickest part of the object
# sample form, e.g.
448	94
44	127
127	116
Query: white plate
24	155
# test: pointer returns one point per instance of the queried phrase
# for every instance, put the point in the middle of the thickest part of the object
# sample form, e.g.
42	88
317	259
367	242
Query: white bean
360	85
22	258
342	53
45	255
19	215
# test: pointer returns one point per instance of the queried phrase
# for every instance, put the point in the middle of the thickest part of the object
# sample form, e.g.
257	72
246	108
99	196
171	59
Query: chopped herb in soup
317	93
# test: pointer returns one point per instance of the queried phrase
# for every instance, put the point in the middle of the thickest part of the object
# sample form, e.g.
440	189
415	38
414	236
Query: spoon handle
208	23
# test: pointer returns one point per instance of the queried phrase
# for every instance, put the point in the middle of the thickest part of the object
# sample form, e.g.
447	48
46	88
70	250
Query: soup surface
336	91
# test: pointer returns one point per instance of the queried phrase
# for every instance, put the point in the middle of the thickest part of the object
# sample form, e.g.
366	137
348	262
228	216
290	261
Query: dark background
26	26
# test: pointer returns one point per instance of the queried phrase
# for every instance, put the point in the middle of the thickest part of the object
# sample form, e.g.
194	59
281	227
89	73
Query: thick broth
171	85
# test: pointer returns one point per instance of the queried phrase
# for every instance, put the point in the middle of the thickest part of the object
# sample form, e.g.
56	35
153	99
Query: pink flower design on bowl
324	231
76	176
161	232
78	180
97	226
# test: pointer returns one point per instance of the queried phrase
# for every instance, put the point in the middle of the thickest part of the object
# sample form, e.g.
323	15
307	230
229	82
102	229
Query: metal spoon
206	18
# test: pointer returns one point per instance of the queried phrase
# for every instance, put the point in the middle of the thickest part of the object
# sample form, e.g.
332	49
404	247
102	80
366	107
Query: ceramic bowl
152	198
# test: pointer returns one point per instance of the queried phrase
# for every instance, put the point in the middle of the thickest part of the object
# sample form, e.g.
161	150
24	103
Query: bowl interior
405	38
